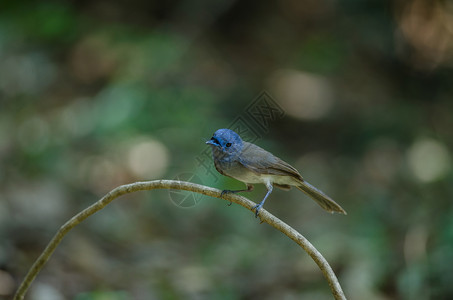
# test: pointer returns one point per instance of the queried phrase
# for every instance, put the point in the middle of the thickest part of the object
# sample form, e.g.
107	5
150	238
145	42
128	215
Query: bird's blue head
226	142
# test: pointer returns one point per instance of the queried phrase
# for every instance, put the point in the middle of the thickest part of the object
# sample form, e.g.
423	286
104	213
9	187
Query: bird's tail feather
322	199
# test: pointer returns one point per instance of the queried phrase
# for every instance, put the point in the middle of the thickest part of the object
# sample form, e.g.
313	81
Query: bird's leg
258	206
248	189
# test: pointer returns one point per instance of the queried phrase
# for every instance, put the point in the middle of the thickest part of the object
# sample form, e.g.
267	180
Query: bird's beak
213	142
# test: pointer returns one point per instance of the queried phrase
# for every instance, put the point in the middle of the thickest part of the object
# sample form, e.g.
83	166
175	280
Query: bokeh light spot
302	95
148	159
429	160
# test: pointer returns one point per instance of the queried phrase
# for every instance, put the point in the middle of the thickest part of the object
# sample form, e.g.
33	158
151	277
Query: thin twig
187	186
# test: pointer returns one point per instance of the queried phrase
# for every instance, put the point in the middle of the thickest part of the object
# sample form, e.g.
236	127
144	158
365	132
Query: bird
251	164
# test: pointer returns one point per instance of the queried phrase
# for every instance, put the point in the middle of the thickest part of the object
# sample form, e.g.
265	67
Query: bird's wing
260	161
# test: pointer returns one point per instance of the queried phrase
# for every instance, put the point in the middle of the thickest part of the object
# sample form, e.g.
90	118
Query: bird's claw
225	192
257	209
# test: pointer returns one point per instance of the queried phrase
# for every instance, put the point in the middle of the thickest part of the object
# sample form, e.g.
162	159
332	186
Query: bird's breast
243	174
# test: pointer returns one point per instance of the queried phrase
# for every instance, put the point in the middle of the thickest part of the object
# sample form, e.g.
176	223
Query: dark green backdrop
94	94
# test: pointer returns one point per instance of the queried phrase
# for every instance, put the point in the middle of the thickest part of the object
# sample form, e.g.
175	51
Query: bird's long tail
322	199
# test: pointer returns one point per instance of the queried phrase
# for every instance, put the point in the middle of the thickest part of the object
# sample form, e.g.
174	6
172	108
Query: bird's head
227	142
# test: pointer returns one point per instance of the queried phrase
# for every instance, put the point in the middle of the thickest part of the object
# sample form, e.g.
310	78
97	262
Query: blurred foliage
95	94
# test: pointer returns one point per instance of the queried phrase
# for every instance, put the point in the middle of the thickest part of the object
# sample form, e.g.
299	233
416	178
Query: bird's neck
223	157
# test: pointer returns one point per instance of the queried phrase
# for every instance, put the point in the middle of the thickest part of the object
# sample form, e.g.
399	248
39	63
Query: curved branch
187	186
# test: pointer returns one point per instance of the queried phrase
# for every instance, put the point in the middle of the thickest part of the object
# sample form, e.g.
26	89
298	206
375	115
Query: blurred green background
95	94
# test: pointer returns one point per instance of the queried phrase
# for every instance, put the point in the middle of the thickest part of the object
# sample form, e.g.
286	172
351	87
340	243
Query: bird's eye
228	144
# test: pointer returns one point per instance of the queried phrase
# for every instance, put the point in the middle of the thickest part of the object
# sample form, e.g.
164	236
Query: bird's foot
257	209
226	192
